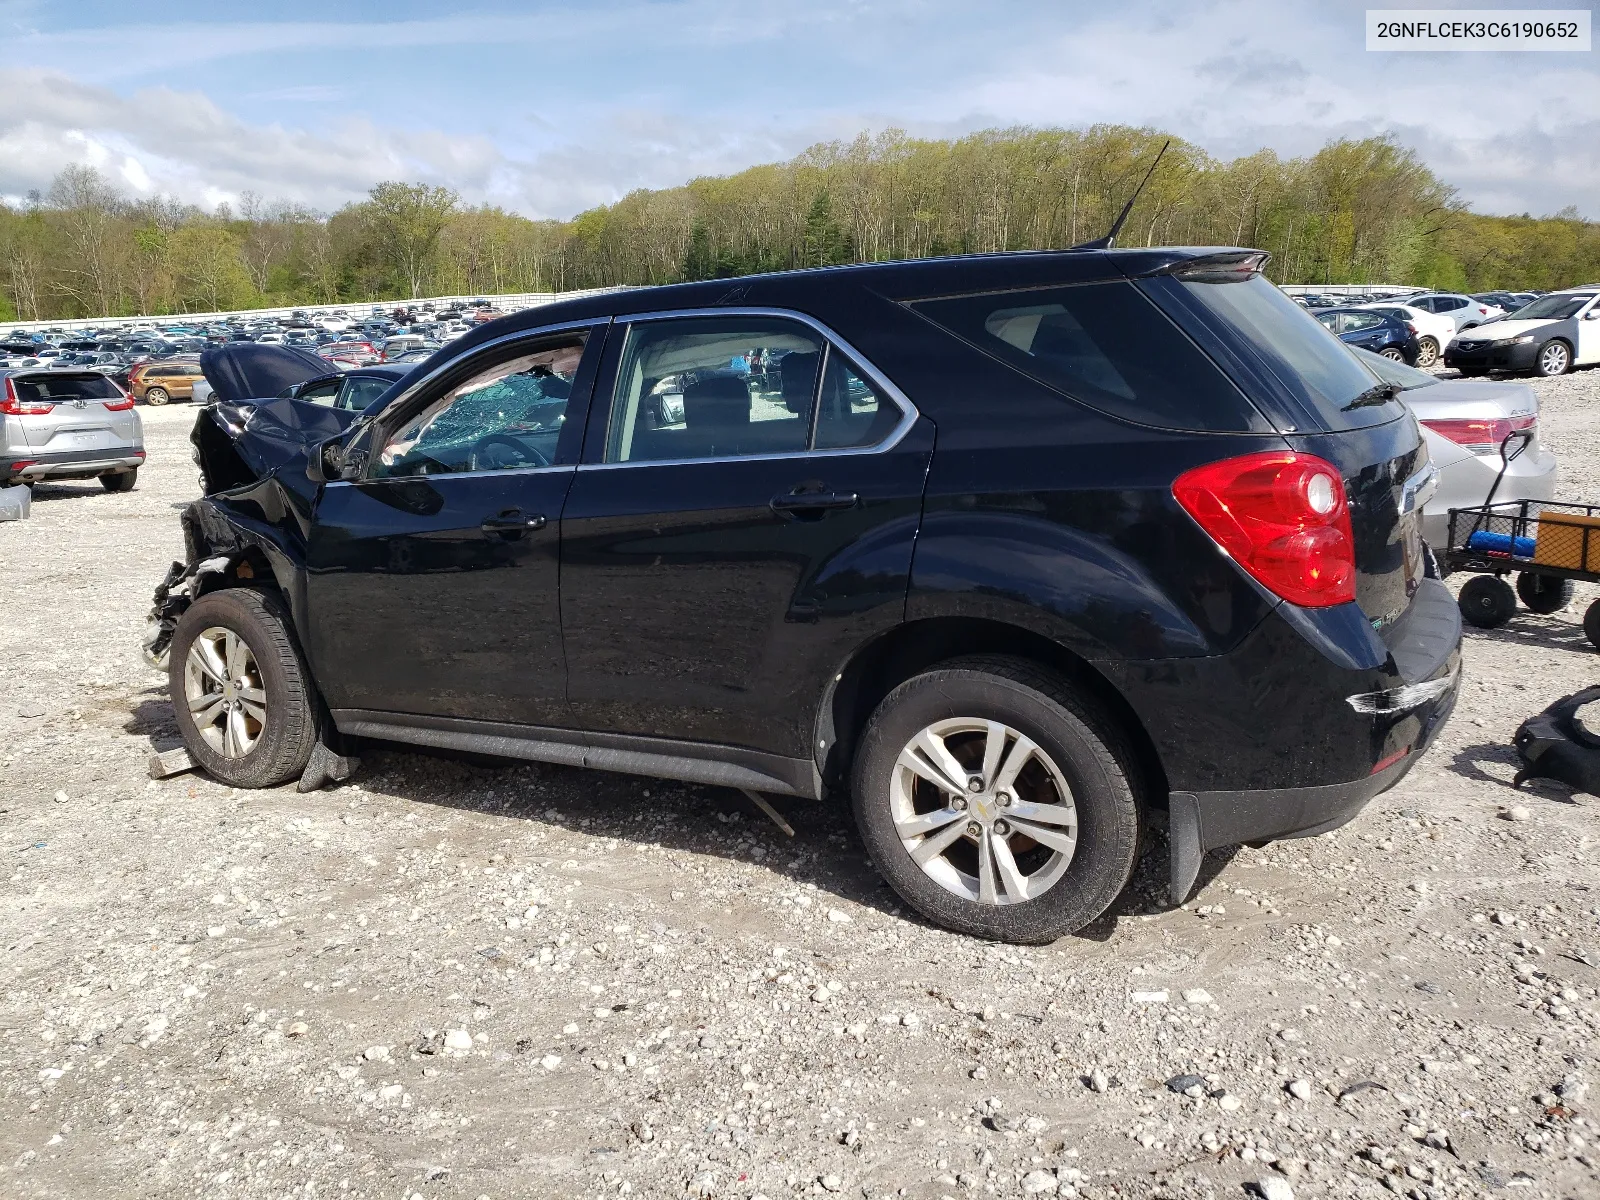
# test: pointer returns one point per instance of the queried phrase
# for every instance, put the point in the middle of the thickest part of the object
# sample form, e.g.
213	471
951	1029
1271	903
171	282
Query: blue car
1375	331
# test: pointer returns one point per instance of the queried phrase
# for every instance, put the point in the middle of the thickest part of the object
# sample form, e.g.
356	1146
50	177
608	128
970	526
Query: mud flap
326	766
1563	743
1183	835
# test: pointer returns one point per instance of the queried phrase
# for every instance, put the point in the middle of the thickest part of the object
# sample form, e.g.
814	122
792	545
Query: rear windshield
67	387
1310	362
1106	345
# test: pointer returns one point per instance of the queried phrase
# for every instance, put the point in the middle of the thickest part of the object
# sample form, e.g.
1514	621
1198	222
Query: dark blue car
1374	331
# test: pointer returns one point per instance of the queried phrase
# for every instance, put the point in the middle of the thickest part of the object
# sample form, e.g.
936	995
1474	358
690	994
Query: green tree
407	220
210	275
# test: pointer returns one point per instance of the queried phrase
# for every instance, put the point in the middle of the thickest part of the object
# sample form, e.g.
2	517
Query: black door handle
513	521
805	502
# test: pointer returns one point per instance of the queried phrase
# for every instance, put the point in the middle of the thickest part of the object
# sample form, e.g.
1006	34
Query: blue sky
549	107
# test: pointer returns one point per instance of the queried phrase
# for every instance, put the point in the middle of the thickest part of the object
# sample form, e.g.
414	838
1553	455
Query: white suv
1463	310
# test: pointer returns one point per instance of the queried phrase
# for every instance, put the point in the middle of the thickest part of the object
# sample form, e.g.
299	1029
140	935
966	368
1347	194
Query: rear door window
1105	345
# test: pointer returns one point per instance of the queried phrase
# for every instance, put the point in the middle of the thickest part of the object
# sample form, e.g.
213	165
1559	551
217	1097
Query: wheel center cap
982	807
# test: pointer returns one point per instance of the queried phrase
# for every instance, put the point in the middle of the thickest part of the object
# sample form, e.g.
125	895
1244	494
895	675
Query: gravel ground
450	980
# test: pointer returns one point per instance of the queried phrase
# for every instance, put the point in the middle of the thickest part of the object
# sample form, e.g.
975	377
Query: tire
156	395
1555	358
1591	624
1392	353
1078	747
1486	601
1544	594
283	740
120	481
1427	352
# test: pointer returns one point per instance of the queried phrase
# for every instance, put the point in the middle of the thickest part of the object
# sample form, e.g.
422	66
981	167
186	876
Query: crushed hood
248	371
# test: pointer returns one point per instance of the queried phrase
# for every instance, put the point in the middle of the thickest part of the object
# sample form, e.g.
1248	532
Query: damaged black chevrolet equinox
1019	551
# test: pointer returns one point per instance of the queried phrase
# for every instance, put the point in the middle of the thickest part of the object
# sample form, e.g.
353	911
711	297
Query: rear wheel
120	481
242	694
156	395
996	801
1486	601
1544	593
1392	353
1555	358
1427	352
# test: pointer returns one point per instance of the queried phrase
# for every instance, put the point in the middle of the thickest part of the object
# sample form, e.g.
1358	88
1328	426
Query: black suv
1019	551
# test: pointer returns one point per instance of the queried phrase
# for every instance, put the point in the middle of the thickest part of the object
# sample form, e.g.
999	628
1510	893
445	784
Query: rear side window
1312	365
1105	345
73	387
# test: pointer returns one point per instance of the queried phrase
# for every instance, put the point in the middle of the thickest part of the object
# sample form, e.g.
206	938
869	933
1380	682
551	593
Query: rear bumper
23	467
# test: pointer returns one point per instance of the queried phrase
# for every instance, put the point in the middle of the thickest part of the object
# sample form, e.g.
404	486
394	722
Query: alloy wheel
1553	359
984	811
223	688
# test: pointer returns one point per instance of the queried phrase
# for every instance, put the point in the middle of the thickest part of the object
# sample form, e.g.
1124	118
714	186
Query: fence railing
506	302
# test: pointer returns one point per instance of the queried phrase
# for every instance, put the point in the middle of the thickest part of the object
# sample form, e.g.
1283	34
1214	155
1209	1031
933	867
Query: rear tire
1555	358
1544	594
1392	354
156	395
1486	601
120	481
274	748
1427	352
1075	747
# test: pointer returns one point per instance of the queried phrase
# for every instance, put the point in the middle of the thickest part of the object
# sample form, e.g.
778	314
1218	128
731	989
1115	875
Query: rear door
742	521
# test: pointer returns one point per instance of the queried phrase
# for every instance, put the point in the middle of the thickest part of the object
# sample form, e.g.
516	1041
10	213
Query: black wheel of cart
1487	601
1544	593
1591	624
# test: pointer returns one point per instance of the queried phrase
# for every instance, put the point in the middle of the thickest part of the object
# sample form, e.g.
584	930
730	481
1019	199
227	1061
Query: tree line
1357	211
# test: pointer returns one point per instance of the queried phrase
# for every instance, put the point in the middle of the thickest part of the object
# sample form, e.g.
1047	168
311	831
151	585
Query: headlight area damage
249	529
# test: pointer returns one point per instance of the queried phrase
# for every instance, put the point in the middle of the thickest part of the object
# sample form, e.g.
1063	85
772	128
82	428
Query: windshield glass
1386	369
1309	361
1553	308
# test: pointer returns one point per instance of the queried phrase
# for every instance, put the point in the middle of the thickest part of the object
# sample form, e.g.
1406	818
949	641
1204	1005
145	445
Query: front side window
505	417
714	387
360	391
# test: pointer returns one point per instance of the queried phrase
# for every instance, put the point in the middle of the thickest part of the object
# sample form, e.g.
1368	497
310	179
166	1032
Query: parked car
1434	332
1464	423
159	382
1505	301
351	390
1550	336
68	424
1375	331
1141	580
1465	311
359	353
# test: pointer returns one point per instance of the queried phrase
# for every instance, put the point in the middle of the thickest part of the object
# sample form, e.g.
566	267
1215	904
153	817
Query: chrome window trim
443	475
831	341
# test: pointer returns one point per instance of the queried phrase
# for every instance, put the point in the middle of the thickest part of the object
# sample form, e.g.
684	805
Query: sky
548	107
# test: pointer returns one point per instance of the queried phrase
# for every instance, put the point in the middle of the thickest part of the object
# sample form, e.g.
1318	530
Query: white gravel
447	980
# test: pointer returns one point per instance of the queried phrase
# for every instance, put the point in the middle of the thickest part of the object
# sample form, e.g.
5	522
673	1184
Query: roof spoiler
1228	266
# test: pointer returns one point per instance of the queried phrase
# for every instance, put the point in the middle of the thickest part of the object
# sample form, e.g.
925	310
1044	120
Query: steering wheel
520	454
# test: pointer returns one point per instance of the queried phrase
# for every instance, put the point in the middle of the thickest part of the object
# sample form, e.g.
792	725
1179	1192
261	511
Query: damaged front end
250	526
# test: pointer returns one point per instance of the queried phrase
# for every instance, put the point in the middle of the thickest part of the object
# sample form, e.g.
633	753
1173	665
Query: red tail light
1283	517
122	404
1481	435
13	406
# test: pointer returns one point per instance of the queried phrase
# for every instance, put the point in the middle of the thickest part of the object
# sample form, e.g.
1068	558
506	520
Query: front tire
1486	601
997	801
1427	352
157	396
1555	358
241	691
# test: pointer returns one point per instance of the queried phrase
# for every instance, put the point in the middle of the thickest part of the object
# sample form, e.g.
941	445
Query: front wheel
1555	358
156	396
1486	601
243	697
1427	352
996	801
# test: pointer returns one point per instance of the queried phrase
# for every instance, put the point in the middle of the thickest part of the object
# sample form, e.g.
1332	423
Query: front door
432	579
1588	348
743	520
